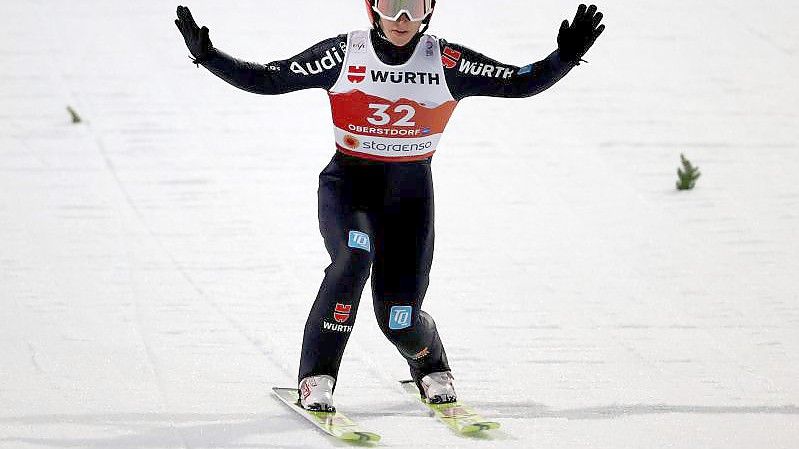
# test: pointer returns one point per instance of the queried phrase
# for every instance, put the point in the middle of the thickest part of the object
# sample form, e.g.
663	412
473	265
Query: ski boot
437	388
316	393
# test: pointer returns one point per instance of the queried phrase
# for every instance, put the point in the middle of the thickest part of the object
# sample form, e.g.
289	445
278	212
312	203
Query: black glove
574	40
196	38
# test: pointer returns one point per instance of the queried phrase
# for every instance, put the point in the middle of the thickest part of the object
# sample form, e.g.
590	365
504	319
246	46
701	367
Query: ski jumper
390	106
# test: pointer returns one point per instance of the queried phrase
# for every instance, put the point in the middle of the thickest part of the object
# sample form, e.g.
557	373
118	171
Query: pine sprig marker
74	115
688	175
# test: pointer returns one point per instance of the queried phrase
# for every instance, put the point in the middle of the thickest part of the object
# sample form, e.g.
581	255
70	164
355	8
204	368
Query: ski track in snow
158	261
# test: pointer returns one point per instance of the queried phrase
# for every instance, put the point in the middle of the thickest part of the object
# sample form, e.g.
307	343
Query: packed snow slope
158	260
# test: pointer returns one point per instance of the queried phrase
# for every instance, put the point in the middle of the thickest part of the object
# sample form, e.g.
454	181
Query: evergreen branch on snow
74	114
688	175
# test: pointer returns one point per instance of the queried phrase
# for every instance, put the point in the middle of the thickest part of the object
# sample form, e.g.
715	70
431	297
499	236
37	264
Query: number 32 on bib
390	113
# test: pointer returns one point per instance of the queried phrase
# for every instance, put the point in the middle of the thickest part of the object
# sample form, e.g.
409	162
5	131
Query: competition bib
390	113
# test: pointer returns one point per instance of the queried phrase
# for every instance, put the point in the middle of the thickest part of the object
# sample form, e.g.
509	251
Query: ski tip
290	396
279	389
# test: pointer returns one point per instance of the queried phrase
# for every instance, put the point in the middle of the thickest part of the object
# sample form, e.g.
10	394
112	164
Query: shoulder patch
450	57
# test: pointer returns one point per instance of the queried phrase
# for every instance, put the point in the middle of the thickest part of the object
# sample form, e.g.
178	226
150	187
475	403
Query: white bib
390	113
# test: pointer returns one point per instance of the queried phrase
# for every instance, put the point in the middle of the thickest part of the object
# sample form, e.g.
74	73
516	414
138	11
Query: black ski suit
378	216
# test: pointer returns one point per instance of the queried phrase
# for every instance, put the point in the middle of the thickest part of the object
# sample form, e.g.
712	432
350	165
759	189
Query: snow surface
158	261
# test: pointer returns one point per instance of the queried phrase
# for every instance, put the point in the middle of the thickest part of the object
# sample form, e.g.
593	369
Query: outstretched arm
470	73
316	67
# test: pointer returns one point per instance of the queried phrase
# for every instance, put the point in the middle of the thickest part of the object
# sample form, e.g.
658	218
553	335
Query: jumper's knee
352	262
408	329
351	267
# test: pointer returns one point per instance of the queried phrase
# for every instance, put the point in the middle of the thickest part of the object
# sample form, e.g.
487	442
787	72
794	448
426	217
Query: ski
335	424
456	416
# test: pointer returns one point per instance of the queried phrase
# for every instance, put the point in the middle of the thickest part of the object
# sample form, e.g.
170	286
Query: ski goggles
416	10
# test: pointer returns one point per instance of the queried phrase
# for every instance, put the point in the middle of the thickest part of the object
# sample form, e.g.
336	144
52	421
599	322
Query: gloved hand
196	38
574	40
